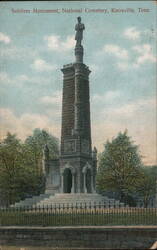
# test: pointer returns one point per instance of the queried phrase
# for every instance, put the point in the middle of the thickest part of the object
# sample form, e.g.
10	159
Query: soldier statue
79	27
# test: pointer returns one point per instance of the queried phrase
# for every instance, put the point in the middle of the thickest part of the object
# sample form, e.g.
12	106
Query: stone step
79	199
77	195
69	200
73	199
31	201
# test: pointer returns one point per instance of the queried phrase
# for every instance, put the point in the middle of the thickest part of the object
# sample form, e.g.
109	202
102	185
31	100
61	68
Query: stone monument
71	177
77	162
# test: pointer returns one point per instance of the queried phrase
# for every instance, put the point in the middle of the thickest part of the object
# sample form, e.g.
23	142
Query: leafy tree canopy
34	145
40	138
119	167
146	187
21	165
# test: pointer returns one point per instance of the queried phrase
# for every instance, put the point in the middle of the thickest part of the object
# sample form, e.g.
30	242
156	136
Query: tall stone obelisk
77	166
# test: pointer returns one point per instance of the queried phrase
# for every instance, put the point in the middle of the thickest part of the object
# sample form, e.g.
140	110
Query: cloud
96	69
4	38
55	99
129	110
123	65
145	54
41	65
14	53
24	125
55	42
109	96
17	80
132	33
69	43
51	105
121	54
116	51
4	78
138	117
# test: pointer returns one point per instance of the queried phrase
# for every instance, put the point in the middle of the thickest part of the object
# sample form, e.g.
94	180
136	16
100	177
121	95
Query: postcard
76	77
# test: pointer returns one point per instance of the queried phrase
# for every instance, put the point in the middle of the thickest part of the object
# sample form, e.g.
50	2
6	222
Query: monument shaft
75	170
75	109
76	152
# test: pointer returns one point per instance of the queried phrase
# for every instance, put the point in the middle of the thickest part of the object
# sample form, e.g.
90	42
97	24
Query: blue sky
119	49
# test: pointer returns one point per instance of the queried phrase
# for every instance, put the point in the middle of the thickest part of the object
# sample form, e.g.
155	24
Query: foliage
11	156
21	173
120	168
147	184
34	147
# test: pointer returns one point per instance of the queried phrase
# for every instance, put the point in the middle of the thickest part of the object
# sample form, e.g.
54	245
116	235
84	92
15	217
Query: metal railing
78	214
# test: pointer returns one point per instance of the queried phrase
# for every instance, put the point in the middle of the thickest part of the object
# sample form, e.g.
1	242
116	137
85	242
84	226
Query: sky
119	48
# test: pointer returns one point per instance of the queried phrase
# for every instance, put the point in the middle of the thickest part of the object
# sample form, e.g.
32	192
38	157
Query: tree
21	165
120	168
146	187
11	157
34	145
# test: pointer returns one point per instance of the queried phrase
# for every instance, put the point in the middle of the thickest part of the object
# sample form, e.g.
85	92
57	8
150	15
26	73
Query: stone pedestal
79	54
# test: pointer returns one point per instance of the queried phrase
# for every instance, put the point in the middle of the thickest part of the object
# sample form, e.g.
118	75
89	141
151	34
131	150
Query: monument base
69	200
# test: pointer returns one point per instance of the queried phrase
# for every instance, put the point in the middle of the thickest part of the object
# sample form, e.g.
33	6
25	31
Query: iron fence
78	214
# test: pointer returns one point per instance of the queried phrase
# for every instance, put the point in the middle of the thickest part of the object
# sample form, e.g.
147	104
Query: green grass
86	217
